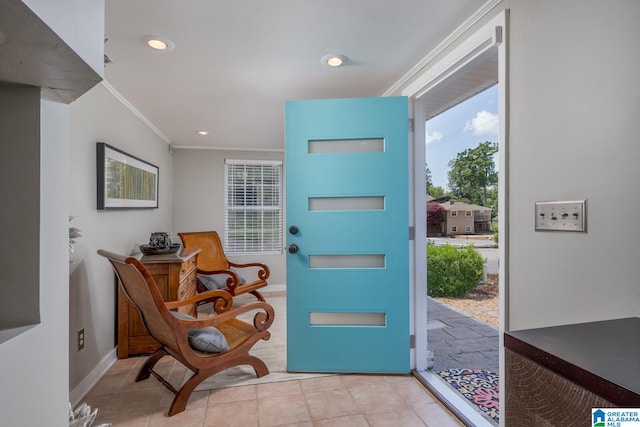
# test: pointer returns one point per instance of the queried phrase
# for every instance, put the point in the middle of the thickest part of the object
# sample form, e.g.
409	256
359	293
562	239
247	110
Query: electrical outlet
80	339
561	216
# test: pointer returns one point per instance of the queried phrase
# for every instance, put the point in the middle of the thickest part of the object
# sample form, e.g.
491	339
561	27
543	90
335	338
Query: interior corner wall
98	116
20	183
34	368
198	198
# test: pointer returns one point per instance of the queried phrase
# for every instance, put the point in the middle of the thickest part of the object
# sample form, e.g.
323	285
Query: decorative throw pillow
208	340
215	281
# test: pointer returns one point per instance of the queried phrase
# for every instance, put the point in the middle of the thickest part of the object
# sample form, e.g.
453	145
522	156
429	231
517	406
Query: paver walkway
460	341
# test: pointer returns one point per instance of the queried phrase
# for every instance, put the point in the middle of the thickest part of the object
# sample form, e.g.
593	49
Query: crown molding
134	110
199	147
443	45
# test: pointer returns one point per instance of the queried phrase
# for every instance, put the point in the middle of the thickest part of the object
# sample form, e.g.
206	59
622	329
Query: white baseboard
275	288
81	390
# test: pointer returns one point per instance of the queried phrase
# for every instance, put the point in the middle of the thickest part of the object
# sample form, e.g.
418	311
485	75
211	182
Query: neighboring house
460	218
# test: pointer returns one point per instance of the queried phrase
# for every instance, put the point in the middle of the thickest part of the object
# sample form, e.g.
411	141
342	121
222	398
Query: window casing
454	213
454	229
253	206
467	228
468	213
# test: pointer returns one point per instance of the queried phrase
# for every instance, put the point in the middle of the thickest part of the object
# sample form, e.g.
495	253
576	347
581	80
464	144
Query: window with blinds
253	206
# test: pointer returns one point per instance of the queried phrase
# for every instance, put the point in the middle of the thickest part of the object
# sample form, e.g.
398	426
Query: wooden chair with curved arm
190	340
212	261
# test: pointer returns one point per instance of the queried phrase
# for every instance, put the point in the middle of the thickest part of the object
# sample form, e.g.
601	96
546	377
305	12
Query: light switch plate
570	215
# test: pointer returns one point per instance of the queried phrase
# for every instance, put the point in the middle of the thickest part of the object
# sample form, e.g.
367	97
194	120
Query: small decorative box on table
175	275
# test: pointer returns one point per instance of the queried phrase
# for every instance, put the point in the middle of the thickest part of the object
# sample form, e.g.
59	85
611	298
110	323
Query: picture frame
125	181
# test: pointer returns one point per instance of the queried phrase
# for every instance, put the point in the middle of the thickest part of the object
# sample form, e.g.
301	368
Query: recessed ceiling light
202	132
158	43
334	60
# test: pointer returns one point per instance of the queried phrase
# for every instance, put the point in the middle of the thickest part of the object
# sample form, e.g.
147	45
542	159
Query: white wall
98	116
34	368
198	198
35	362
574	108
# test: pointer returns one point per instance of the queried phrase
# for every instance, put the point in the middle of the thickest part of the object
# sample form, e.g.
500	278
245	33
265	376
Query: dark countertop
603	356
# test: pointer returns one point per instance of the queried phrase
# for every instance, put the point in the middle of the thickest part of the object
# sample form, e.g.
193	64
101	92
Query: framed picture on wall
125	181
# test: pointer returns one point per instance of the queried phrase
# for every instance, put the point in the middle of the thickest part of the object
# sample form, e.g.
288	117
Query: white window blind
253	206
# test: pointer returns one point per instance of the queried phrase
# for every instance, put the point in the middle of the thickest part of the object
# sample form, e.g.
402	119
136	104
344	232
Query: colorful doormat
479	386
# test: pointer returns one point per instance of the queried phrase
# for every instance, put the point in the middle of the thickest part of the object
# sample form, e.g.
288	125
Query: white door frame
491	35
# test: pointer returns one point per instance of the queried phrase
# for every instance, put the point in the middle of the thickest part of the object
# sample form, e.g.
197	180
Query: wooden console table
555	375
175	275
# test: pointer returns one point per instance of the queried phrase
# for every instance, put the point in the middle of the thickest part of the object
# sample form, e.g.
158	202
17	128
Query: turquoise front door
347	231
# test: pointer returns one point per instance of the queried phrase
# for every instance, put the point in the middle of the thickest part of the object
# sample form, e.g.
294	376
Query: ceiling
32	54
236	62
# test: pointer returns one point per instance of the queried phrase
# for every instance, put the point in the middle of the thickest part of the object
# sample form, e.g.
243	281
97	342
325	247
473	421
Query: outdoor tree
492	200
432	190
473	173
435	213
435	191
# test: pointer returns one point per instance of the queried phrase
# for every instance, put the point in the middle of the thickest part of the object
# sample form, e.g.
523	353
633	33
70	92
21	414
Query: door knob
293	229
293	248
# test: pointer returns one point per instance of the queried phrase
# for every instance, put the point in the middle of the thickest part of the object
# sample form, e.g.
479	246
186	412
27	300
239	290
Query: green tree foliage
452	271
492	200
435	191
427	174
473	173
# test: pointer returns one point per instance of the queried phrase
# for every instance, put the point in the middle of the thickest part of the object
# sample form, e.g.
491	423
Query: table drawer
188	266
185	291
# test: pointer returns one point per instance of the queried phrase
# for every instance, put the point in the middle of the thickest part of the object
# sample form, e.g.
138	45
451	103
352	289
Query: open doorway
462	250
474	65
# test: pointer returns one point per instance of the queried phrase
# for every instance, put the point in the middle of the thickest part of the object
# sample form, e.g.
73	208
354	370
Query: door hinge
412	341
412	233
410	125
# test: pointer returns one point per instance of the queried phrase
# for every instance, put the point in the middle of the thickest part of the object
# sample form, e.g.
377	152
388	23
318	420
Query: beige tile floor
337	400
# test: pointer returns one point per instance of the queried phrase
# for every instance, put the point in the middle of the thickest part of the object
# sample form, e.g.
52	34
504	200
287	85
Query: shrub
452	271
435	213
494	228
